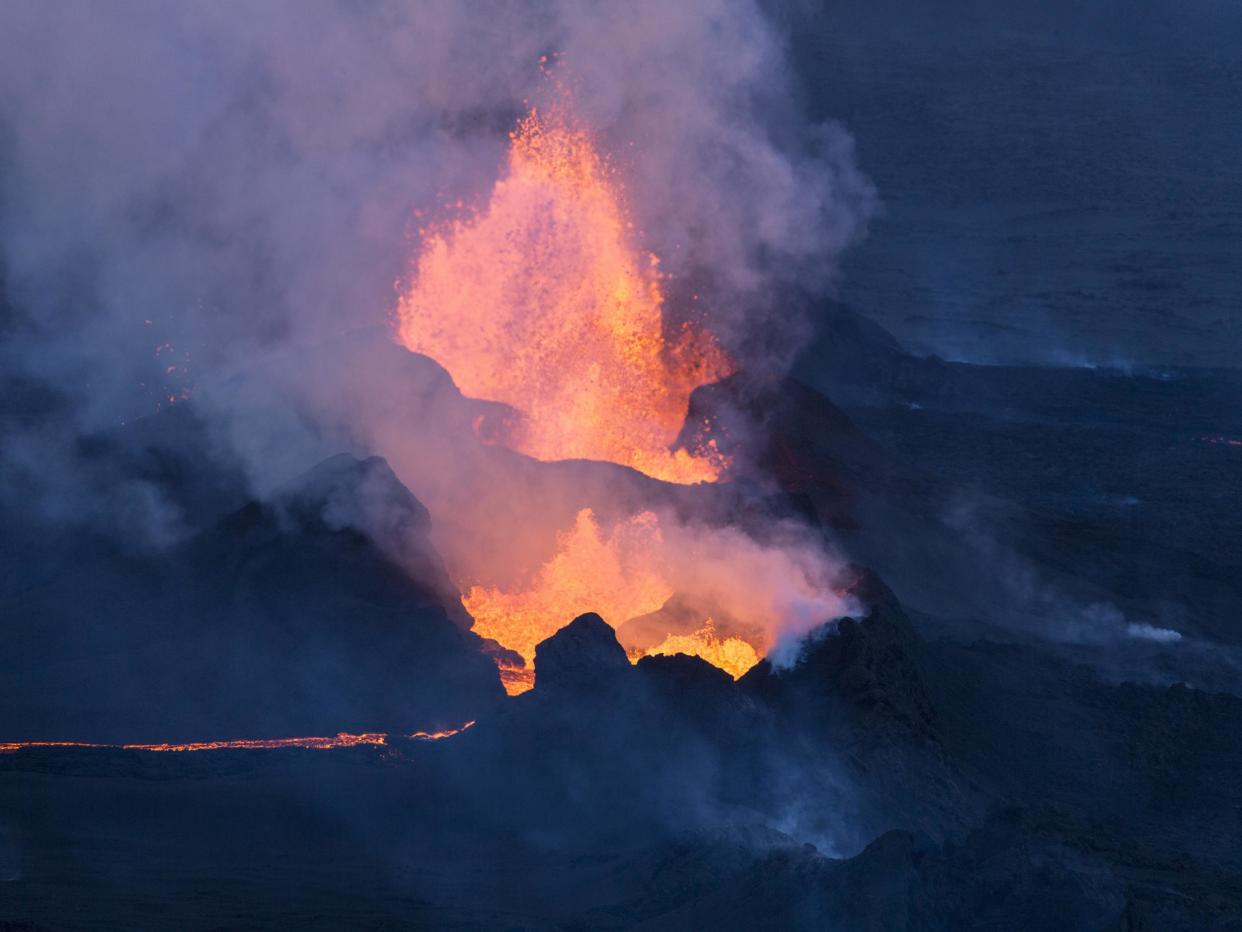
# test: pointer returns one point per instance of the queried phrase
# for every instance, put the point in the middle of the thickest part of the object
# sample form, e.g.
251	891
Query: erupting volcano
411	365
623	574
544	302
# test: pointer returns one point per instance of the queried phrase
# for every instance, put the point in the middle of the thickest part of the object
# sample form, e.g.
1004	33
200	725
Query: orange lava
591	572
543	301
732	654
516	680
341	740
438	735
619	574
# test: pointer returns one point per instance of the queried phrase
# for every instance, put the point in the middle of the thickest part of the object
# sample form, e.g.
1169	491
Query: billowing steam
211	203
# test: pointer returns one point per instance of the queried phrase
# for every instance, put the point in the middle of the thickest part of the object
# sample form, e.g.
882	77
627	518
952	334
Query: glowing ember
731	654
341	740
544	303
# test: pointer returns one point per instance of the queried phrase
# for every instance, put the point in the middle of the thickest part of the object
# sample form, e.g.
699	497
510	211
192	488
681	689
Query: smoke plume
217	205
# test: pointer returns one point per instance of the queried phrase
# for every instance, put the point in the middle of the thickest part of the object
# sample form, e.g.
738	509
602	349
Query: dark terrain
978	750
1021	424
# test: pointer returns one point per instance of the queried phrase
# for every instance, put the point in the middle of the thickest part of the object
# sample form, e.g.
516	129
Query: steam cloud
200	200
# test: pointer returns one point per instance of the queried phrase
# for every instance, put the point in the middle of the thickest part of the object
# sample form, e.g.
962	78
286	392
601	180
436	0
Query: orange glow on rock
590	572
731	654
543	301
620	574
340	740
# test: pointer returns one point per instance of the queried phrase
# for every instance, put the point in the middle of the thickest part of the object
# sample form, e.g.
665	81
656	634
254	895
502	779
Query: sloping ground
286	619
975	771
1064	489
948	789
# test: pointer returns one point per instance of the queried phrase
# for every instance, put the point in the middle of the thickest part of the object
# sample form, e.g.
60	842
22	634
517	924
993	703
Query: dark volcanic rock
682	677
874	662
786	430
362	494
344	494
581	655
867	668
891	779
286	618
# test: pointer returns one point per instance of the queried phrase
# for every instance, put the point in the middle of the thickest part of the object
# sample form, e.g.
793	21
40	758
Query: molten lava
591	572
543	302
732	654
340	740
623	574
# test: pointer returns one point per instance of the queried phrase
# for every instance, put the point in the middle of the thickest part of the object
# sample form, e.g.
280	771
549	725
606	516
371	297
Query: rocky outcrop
866	670
785	430
324	609
582	655
351	496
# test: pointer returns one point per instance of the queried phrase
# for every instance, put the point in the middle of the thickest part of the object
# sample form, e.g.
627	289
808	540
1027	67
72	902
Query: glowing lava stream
341	740
543	302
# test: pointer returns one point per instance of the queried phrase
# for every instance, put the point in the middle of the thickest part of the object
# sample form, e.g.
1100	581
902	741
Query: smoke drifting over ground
247	492
185	187
222	207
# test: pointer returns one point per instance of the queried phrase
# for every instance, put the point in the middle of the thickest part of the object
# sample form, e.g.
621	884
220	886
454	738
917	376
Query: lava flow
543	302
340	740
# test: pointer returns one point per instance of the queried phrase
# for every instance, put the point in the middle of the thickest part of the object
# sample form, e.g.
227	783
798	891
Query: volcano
929	770
463	468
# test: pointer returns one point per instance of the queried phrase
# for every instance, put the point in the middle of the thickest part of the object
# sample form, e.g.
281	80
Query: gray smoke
191	191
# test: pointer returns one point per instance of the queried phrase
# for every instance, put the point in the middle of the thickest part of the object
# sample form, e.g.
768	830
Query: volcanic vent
544	301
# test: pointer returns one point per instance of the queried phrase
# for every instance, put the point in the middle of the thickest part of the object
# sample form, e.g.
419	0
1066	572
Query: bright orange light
731	654
590	572
620	574
543	302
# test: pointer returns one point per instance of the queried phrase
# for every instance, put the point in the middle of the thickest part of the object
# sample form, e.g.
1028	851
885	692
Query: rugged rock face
350	496
649	796
683	678
782	429
873	663
583	655
324	610
910	772
864	670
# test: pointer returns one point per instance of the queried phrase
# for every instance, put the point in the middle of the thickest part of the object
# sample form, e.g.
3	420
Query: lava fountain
542	300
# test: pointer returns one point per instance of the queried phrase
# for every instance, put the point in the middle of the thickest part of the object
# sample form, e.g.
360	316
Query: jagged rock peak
579	654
